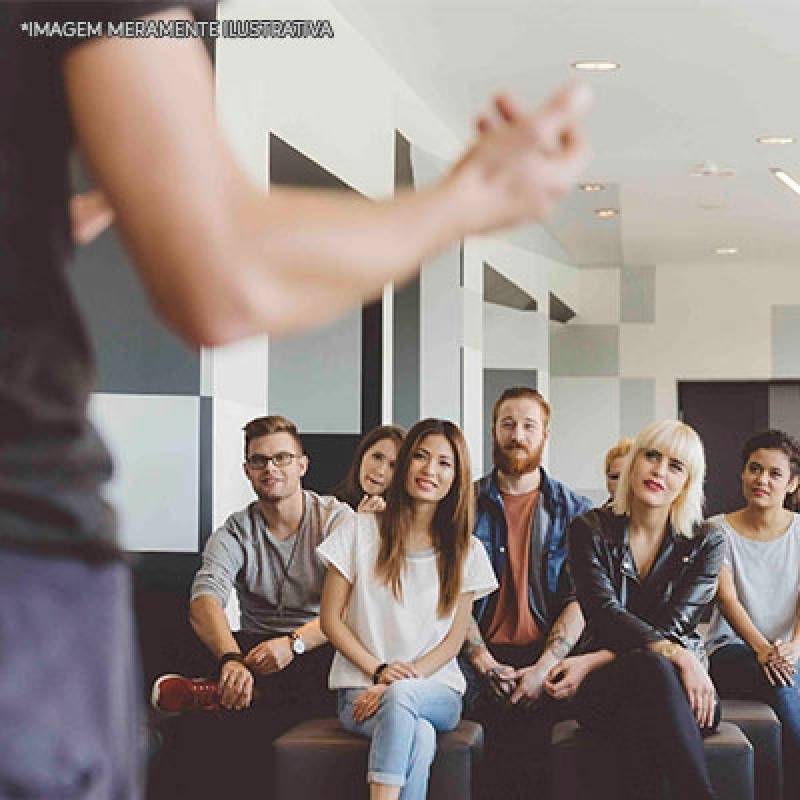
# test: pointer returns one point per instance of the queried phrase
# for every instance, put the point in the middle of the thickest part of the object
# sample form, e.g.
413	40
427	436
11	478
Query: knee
651	671
400	694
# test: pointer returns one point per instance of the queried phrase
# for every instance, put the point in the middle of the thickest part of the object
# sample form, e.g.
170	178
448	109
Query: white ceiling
699	81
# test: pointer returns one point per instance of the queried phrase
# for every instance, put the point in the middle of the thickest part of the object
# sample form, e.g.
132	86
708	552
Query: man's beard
517	459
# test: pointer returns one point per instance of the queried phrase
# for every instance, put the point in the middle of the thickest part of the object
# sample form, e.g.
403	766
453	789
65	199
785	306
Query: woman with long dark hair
371	471
644	570
754	636
397	599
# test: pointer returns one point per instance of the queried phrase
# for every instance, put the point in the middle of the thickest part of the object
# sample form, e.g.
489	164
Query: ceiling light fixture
606	213
595	66
727	251
786	179
592	187
710	169
776	140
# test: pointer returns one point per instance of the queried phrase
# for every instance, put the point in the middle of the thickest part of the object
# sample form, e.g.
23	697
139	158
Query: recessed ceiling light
592	187
785	179
710	169
727	251
595	66
776	140
606	213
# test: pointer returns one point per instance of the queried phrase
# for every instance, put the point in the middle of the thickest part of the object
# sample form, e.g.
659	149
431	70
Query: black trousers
516	739
647	735
737	674
212	754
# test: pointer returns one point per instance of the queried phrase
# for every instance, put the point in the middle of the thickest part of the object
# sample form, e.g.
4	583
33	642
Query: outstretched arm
220	258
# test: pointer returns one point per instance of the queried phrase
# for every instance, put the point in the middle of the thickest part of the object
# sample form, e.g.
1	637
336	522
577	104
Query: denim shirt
556	508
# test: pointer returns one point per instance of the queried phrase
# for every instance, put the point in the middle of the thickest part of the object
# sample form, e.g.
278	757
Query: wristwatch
298	645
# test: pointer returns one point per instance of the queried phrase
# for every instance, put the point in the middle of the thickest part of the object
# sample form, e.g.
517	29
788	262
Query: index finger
508	106
567	104
555	123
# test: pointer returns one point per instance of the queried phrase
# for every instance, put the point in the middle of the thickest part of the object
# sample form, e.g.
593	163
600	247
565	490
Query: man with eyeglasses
267	554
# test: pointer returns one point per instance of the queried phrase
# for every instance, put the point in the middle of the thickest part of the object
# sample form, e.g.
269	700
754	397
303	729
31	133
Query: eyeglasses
282	459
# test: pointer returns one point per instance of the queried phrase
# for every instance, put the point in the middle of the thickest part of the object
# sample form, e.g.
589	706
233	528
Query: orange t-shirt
513	622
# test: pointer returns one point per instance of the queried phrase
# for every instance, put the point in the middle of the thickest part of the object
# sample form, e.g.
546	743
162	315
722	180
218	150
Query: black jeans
647	733
213	754
737	674
516	739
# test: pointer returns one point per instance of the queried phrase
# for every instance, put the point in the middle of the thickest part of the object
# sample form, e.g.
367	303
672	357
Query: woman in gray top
754	638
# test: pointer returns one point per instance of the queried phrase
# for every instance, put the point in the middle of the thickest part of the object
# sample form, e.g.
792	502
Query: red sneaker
173	693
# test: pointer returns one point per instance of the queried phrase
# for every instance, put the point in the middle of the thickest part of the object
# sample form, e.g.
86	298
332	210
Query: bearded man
522	632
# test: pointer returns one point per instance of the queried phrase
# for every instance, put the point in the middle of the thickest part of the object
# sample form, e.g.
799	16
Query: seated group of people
418	596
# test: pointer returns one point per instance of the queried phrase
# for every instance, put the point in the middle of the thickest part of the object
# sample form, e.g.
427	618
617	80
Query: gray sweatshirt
278	583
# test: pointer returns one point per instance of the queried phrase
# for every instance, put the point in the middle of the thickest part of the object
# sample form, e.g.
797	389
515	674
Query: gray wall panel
578	351
405	381
784	407
405	323
315	379
637	404
786	341
637	302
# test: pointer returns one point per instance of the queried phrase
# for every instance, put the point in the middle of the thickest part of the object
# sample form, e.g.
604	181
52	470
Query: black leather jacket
625	613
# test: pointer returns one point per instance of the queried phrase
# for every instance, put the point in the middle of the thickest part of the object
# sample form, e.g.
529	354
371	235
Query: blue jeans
737	674
403	731
69	680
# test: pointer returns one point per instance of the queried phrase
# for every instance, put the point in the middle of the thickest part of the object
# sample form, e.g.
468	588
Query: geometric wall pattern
638	294
785	330
156	488
584	350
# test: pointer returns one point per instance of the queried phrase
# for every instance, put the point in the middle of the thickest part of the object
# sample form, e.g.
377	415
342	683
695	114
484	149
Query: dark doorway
725	414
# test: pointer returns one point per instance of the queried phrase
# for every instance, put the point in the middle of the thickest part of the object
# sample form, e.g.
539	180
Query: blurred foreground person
220	260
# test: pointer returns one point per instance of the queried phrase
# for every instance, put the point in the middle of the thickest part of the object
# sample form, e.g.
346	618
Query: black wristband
234	655
376	676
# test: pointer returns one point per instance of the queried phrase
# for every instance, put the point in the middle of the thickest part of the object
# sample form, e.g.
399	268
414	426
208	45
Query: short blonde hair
678	440
619	450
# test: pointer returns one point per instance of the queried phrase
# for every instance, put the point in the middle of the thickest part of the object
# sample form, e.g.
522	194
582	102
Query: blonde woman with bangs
396	603
644	570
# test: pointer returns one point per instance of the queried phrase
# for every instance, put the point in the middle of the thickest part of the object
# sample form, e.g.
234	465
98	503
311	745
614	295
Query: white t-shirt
389	629
767	579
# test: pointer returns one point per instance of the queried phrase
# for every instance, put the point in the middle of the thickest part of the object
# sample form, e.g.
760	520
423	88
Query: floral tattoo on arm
557	642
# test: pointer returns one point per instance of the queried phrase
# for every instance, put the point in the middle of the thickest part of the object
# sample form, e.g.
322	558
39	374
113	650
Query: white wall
712	323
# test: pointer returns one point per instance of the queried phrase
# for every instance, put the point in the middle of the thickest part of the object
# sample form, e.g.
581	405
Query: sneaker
173	693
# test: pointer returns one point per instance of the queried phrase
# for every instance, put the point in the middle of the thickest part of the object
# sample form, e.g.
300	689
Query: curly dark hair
774	439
